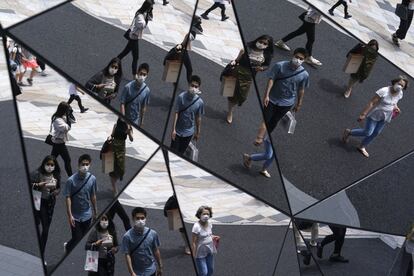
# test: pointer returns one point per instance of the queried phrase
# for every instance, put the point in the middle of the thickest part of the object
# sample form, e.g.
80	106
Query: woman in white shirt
381	109
204	243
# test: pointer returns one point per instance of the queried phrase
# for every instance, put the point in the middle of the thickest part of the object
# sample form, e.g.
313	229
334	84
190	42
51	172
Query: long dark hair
268	52
145	9
56	172
61	110
118	74
111	225
373	42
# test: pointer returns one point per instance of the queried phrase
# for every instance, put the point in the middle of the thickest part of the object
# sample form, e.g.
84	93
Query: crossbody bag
188	106
83	185
288	77
139	244
136	96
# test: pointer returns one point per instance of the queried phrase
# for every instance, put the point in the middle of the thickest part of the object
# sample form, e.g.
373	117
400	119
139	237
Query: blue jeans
205	266
371	130
267	155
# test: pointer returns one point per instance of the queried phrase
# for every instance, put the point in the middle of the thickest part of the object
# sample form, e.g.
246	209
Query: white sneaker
64	247
282	45
312	60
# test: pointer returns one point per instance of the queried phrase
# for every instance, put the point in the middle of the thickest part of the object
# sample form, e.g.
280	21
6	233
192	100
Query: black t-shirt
120	131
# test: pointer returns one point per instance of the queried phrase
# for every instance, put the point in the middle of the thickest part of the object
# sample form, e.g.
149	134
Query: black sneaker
338	259
395	40
347	16
306	256
165	3
30	81
331	12
225	18
319	250
83	110
204	16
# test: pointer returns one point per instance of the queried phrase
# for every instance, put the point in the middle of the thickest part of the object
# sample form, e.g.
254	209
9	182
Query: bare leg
230	112
351	83
260	134
113	182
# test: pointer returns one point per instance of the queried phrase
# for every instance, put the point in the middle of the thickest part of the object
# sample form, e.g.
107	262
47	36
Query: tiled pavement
375	19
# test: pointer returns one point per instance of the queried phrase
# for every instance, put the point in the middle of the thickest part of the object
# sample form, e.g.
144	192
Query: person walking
103	238
134	33
370	55
46	179
217	4
135	96
310	19
259	55
266	156
343	3
140	245
284	90
178	52
80	194
204	242
189	107
106	82
338	236
409	248
404	23
380	110
60	127
73	95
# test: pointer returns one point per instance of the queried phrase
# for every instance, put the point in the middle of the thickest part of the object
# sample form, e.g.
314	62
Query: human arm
141	117
130	133
95	83
194	243
157	255
269	86
129	264
94	206
372	103
69	211
173	132
237	60
198	128
298	105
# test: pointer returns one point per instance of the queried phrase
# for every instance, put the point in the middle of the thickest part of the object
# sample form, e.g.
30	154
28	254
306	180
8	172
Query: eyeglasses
194	85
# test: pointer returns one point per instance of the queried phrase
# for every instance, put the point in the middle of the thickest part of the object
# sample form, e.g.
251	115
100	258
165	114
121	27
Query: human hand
397	109
173	135
100	86
41	184
114	250
361	117
296	108
159	271
98	242
72	221
233	63
266	100
196	137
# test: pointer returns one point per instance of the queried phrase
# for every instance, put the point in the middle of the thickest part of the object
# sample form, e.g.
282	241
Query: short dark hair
196	79
401	77
200	210
84	157
144	66
137	210
302	51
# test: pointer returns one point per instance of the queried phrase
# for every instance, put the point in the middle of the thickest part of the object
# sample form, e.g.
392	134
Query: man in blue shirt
135	96
285	89
80	194
140	245
187	119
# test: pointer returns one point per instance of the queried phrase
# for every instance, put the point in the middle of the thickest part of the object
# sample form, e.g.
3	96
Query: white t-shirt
72	89
205	244
383	111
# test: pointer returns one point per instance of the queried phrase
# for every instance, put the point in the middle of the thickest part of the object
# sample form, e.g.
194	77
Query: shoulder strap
50	129
83	185
139	93
143	239
188	106
288	77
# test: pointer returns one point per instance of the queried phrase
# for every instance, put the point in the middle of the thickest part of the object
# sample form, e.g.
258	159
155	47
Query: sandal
345	136
258	141
229	118
265	173
247	162
364	152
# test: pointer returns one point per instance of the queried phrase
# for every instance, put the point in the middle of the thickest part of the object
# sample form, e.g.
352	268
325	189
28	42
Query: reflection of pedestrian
266	156
104	239
47	180
189	107
203	242
310	19
409	248
338	236
217	4
381	109
341	2
370	54
404	23
284	90
180	54
73	95
259	55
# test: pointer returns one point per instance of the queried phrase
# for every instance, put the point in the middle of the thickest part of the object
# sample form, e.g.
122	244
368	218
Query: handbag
106	147
91	262
48	139
192	151
302	16
401	11
126	34
37	197
289	122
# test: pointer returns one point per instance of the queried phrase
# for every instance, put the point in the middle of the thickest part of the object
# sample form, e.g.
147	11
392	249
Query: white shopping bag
290	122
37	197
192	151
91	262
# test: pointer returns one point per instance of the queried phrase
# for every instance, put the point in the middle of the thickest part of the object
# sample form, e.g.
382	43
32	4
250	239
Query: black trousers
44	218
338	236
61	149
132	46
180	144
102	269
78	99
341	2
309	29
273	113
41	64
404	25
118	209
80	230
215	6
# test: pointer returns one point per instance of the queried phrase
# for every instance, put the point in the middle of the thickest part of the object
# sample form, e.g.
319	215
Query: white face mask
260	45
49	168
140	79
104	224
84	169
397	87
204	218
140	223
297	62
193	90
112	71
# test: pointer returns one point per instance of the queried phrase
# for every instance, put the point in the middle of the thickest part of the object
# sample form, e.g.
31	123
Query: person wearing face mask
258	56
80	194
47	180
189	107
405	23
135	96
105	84
284	91
60	127
204	242
382	108
104	239
370	54
141	245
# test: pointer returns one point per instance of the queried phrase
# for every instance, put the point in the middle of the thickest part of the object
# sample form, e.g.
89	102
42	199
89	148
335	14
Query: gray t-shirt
205	243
